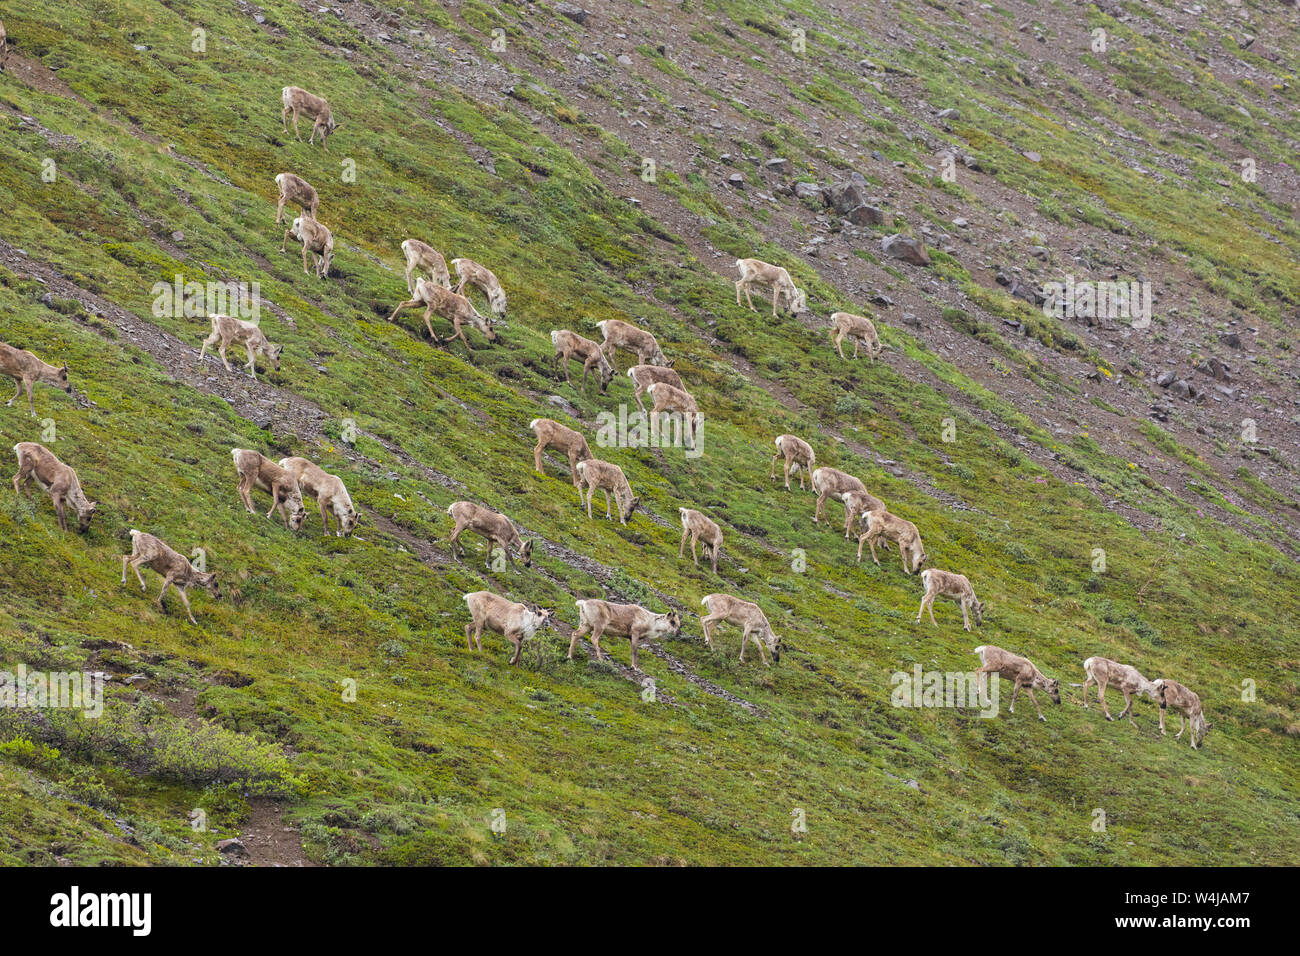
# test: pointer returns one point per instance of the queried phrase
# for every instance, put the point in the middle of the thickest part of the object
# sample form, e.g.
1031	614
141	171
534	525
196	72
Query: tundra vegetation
446	734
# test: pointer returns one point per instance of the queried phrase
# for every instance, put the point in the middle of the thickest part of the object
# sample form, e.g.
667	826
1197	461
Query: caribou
747	616
516	622
295	100
176	569
60	481
994	660
599	618
551	434
26	370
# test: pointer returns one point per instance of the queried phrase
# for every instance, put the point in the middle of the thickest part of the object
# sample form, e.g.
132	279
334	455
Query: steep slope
526	158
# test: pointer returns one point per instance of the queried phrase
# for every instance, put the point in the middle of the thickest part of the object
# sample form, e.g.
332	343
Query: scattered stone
1217	370
573	12
178	236
1027	293
845	197
777	164
736	181
808	191
1033	157
949	114
865	215
906	248
960	223
1166	379
624	59
1231	339
233	846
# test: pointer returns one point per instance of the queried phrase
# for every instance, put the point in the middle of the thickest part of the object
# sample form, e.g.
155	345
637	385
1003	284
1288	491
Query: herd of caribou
288	480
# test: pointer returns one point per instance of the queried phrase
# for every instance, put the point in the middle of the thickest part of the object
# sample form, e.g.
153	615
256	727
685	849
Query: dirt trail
268	840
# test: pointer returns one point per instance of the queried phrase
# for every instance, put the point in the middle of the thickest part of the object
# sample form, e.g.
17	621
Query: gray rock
906	248
1166	379
234	846
845	197
949	114
807	190
573	12
1231	339
865	215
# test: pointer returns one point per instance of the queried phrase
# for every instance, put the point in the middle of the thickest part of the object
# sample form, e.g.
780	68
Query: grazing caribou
668	399
516	622
747	616
26	370
700	530
859	329
572	345
755	272
456	309
956	586
599	618
857	505
256	470
53	476
551	434
643	376
882	524
420	256
799	456
596	474
494	528
329	491
293	188
176	570
1187	703
228	331
1102	671
316	239
624	335
469	272
295	100
994	660
833	483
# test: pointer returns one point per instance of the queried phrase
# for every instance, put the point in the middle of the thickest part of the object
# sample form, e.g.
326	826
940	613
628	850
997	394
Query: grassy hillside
165	161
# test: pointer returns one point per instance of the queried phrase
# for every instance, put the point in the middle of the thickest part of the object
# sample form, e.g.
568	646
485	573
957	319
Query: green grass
438	738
